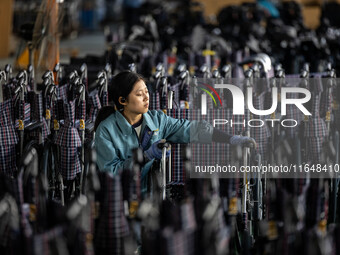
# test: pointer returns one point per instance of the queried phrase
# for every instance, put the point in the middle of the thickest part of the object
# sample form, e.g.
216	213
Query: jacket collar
123	124
126	127
147	121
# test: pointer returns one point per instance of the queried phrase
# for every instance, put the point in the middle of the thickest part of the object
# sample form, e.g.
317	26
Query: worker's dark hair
121	86
103	113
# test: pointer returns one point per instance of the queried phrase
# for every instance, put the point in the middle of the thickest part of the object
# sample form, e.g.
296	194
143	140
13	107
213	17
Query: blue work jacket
115	138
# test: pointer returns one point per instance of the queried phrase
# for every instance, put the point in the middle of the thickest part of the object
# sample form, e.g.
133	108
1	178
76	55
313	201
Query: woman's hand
244	140
155	150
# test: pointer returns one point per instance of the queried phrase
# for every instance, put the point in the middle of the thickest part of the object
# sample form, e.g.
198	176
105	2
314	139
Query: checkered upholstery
315	131
218	152
154	101
292	112
80	108
69	163
104	99
314	147
315	128
68	139
23	110
8	89
68	135
37	115
8	135
8	139
177	167
112	224
326	101
8	159
62	92
204	153
95	105
260	134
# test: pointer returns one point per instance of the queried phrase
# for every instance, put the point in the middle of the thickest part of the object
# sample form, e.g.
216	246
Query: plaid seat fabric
104	99
8	139
238	121
314	147
207	154
62	92
260	134
8	135
68	139
37	115
8	90
315	128
154	101
24	109
95	105
220	153
68	135
7	159
177	167
326	101
80	110
69	163
112	225
293	113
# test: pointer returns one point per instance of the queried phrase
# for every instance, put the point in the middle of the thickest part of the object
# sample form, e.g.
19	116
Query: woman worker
133	125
